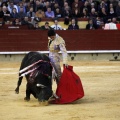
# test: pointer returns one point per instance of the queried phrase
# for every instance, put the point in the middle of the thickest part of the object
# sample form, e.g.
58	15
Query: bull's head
44	94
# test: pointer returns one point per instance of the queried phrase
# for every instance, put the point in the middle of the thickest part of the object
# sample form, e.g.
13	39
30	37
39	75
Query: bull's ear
40	85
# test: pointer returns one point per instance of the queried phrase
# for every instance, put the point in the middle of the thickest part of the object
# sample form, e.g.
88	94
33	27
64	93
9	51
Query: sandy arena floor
101	82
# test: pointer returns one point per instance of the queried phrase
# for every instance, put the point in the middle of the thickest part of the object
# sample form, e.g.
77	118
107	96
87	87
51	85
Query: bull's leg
18	84
28	92
34	91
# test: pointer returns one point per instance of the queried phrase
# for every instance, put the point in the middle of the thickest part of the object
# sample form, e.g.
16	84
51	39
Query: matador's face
52	37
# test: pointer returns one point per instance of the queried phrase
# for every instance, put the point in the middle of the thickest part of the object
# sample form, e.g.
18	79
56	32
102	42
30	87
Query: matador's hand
65	65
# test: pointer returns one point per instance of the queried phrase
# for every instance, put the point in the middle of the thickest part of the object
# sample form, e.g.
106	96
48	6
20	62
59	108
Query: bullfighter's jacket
55	46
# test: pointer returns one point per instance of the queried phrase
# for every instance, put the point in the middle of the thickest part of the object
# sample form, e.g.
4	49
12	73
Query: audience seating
81	22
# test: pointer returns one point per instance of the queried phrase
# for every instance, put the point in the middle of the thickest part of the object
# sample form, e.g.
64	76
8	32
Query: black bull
39	81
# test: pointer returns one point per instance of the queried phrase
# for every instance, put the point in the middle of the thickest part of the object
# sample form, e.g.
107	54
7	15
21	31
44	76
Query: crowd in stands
31	12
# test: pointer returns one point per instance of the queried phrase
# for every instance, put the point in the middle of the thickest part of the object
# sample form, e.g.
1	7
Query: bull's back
33	57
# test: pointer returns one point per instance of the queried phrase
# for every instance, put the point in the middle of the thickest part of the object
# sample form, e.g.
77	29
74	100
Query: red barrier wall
36	40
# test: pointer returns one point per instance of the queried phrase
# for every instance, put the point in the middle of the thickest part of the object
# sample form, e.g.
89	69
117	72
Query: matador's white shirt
57	45
56	27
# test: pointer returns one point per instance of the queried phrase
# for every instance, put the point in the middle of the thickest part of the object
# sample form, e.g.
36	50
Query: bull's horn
40	85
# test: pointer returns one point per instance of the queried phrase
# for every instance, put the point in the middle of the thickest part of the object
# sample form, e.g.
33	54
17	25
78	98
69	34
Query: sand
101	82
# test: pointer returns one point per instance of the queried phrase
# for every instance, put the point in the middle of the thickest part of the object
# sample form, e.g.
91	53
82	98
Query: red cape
70	87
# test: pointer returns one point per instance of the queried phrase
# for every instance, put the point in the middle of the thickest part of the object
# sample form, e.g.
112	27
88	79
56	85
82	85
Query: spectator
25	21
73	25
91	25
115	3
62	2
5	14
103	14
76	11
85	14
87	7
66	10
43	3
58	13
93	13
96	3
30	13
14	14
40	13
112	13
111	25
21	13
56	26
29	4
49	13
103	4
47	5
79	4
37	27
75	4
21	5
114	20
110	6
46	26
11	6
37	4
56	5
93	5
16	22
65	4
99	22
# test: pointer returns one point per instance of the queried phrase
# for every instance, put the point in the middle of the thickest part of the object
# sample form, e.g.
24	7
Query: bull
37	69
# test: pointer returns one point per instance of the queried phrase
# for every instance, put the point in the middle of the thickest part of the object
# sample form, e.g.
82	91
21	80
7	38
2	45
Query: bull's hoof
17	90
43	103
27	99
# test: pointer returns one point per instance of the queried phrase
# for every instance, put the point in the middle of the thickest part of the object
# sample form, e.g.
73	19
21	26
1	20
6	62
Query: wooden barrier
36	40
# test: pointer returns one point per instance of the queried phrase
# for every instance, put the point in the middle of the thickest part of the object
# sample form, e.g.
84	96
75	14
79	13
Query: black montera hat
51	32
